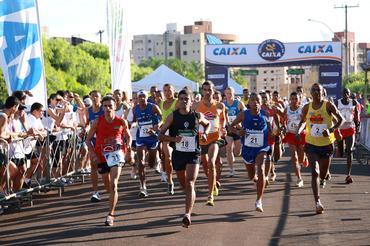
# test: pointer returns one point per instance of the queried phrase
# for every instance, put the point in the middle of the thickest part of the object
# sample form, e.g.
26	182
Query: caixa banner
273	52
20	47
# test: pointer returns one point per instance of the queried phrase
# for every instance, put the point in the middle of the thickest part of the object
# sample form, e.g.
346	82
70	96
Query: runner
121	101
273	120
109	151
167	107
349	109
278	107
318	116
183	126
93	113
245	99
254	133
296	147
148	116
209	148
233	147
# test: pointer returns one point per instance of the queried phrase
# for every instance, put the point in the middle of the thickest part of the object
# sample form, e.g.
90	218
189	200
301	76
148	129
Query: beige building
188	46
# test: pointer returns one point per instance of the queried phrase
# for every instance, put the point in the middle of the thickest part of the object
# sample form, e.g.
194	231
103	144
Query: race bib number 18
187	143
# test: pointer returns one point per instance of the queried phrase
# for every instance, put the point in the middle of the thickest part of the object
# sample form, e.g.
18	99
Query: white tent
164	75
238	88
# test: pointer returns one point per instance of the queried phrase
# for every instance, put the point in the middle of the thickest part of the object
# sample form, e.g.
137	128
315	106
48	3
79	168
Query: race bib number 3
317	129
114	158
254	140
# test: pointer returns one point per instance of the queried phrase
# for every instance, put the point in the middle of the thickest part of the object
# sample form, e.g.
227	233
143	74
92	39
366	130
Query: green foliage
138	73
355	82
240	79
193	70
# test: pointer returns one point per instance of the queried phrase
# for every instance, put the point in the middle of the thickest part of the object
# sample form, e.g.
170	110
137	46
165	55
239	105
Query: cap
22	107
142	93
87	102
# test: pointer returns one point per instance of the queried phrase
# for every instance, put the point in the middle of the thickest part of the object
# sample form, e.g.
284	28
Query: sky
253	21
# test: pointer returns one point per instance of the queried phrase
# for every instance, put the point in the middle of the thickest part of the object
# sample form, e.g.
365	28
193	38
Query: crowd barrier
50	164
362	152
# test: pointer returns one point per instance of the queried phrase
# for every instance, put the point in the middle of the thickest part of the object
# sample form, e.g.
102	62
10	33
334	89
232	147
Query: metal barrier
362	152
54	167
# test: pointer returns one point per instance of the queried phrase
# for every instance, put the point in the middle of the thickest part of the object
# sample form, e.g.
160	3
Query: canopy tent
238	88
161	76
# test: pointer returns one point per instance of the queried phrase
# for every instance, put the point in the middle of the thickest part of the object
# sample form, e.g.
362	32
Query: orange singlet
212	114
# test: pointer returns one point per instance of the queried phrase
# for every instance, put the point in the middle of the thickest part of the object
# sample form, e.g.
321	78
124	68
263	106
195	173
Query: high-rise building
188	46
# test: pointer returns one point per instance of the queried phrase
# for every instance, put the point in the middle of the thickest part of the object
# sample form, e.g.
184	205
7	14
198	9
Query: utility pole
347	50
100	33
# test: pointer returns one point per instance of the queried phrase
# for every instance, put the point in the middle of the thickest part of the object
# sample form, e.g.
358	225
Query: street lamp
339	39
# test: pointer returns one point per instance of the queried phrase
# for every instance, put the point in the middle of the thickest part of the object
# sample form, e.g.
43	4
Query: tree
355	82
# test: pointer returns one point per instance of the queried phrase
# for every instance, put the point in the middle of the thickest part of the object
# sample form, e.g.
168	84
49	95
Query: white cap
87	101
141	93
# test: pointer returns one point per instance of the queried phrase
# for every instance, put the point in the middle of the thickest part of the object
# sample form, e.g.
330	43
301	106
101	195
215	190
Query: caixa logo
271	50
230	51
315	48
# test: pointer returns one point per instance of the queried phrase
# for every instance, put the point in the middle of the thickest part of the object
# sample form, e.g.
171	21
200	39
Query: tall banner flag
119	46
21	58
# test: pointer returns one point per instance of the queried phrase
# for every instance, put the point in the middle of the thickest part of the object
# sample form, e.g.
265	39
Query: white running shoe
109	220
163	177
300	183
319	207
95	197
259	207
143	193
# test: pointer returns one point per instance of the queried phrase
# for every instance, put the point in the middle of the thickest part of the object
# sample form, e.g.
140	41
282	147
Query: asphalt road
289	217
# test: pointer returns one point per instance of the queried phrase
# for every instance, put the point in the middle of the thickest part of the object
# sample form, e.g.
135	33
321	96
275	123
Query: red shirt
109	135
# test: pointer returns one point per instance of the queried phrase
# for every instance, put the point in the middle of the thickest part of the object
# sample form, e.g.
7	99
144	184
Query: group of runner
168	132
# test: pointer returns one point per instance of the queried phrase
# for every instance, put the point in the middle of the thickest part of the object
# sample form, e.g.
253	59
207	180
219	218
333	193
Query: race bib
317	129
293	126
231	119
144	130
114	158
254	140
187	143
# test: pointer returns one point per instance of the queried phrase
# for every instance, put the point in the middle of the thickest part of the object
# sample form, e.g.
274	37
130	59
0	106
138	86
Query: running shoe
143	193
133	174
186	221
109	220
323	183
231	173
210	201
259	207
163	177
349	180
319	207
95	197
300	183
170	190
215	190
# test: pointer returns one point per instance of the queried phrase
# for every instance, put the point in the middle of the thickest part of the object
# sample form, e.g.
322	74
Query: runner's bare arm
164	128
157	111
333	110
239	118
241	106
205	123
356	116
3	133
302	123
91	134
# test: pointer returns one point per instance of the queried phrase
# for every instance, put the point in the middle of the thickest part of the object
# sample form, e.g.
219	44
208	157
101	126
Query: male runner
318	116
109	152
183	127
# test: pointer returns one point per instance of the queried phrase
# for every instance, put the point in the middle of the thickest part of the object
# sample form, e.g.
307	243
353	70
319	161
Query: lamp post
339	39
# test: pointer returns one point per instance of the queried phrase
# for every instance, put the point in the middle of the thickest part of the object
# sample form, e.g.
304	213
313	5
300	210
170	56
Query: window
170	43
272	71
264	79
272	79
170	53
193	40
184	42
157	54
272	87
149	41
264	71
149	49
184	52
193	51
265	87
157	43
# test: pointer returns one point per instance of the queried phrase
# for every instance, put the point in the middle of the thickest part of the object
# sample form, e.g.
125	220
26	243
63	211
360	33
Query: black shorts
19	161
181	159
234	136
3	159
103	167
324	152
